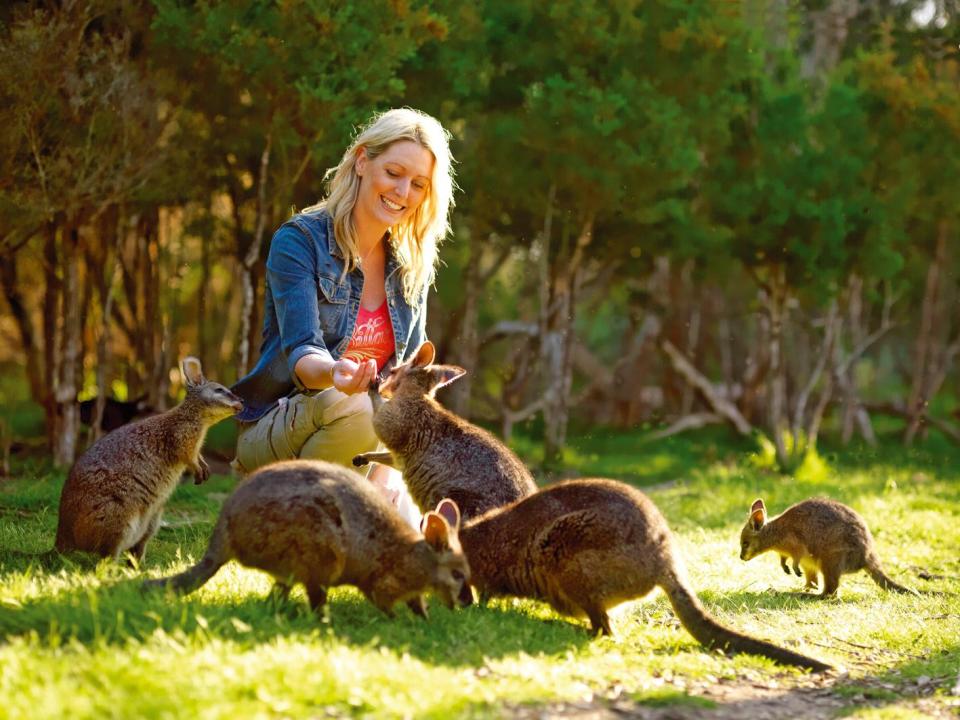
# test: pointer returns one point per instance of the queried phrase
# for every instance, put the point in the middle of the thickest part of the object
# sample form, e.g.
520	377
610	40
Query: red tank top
372	337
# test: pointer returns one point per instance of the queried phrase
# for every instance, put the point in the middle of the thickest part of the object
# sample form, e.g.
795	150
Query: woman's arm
317	372
290	272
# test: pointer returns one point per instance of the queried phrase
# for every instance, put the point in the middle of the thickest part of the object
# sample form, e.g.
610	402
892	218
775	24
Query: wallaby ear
191	372
758	514
425	354
445	374
436	531
448	510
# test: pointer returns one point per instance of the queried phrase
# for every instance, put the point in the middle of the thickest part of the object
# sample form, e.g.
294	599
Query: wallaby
322	525
587	545
818	536
440	454
113	498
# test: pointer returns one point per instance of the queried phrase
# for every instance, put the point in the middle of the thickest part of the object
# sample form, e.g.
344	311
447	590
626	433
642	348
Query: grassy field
82	641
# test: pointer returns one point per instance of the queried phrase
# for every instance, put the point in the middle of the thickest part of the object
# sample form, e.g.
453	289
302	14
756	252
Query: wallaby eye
457	575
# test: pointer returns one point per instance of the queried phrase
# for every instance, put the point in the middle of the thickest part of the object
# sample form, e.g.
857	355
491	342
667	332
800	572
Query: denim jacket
308	310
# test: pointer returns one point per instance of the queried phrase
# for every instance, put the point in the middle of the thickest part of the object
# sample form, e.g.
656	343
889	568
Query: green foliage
299	72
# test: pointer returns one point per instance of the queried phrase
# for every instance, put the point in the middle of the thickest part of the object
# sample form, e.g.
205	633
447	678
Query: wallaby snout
465	598
376	399
235	402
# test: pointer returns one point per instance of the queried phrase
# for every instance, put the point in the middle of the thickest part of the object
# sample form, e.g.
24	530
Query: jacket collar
392	264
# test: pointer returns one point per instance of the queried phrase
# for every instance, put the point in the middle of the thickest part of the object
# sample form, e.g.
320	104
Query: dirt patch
773	699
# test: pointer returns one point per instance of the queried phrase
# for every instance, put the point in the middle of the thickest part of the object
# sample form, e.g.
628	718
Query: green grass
79	641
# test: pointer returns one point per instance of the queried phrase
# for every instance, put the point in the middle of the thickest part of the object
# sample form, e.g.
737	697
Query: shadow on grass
772	599
105	612
900	682
906	679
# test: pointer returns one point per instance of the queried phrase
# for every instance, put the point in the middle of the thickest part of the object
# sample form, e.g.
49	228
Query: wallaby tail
881	578
713	635
212	560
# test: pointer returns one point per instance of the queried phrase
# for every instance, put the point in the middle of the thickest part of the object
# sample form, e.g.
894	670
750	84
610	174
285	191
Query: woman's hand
350	377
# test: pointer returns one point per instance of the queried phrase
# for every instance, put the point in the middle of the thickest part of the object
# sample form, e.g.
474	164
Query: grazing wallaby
585	546
440	454
114	495
818	536
320	524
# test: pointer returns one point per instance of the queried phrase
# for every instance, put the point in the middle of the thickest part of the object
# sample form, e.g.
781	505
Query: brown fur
114	495
322	525
820	537
585	546
440	454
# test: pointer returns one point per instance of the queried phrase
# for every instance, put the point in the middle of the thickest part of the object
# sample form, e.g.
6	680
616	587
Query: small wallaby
817	536
322	525
113	498
440	454
587	545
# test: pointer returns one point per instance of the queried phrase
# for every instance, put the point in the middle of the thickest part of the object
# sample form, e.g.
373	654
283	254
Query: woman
346	294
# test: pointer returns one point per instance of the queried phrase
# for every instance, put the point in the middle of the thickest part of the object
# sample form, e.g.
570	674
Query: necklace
365	255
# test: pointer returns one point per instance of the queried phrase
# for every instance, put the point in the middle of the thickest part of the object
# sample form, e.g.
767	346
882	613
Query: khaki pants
328	426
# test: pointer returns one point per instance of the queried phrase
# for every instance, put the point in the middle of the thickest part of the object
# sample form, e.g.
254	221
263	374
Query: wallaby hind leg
811	578
831	579
599	621
140	546
317	595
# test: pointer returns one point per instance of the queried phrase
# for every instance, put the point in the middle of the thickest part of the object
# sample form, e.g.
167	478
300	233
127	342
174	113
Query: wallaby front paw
418	605
360	460
202	472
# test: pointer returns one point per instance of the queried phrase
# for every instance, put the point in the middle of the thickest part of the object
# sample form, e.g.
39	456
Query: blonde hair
415	241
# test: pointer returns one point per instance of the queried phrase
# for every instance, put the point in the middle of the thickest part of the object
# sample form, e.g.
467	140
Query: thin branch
826	350
721	405
510	327
693	421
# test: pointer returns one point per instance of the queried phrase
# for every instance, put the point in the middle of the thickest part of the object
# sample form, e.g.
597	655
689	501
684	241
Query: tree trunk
692	302
830	357
468	344
931	313
111	273
851	402
10	283
830	29
203	349
53	291
776	407
557	340
250	260
68	411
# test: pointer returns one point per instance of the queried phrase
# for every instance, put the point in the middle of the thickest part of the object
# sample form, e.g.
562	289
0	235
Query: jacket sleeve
419	334
292	279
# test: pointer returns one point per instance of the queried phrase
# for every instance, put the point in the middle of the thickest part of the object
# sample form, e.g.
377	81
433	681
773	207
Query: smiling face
392	185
